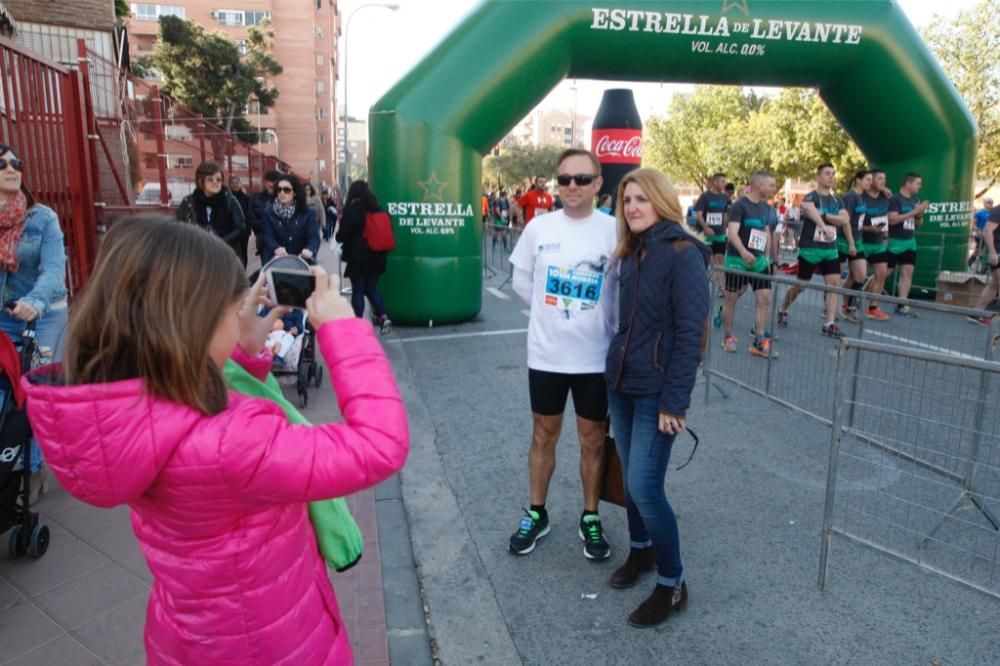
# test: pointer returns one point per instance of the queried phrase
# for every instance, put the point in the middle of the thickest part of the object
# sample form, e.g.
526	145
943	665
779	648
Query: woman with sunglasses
32	273
213	207
651	367
290	225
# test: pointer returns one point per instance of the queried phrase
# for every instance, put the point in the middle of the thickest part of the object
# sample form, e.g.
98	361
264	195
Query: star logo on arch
735	4
433	188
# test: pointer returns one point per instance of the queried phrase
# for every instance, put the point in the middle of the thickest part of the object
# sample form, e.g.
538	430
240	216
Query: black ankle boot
639	561
661	603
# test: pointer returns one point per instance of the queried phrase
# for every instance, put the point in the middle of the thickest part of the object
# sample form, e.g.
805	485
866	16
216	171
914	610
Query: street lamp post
347	130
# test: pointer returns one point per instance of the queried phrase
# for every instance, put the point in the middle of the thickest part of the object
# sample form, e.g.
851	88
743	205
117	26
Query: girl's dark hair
146	312
300	191
360	193
4	148
312	190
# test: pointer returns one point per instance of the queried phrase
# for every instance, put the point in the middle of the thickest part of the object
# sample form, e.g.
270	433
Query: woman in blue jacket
651	368
290	226
32	272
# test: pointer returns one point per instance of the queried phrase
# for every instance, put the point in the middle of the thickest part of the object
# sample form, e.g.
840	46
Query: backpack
378	232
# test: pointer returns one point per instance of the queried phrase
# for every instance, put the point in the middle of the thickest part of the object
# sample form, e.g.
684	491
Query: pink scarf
12	217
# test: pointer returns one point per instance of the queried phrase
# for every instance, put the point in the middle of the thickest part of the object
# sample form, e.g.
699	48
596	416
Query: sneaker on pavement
985	321
877	314
849	314
782	319
595	546
729	344
384	325
532	528
717	319
905	311
832	330
762	347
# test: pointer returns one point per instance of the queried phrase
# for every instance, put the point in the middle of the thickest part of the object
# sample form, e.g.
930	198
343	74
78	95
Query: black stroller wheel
39	543
319	375
14	545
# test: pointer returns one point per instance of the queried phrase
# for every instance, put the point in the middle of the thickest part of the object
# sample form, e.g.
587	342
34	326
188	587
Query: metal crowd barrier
914	469
498	243
800	375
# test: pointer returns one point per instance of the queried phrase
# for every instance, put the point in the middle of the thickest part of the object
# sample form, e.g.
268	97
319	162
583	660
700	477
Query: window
322	165
319	59
180	162
268	135
320	113
145	12
240	17
322	138
253	108
320	86
319	32
241	46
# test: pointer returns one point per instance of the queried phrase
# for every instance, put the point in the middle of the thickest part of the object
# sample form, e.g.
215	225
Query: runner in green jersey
857	265
905	216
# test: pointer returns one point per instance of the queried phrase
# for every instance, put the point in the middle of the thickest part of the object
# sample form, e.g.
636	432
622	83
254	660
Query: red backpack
378	232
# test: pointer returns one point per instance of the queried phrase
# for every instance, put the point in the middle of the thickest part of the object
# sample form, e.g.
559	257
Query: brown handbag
613	485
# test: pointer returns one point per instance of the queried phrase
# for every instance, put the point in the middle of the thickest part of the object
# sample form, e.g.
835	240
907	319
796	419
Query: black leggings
366	284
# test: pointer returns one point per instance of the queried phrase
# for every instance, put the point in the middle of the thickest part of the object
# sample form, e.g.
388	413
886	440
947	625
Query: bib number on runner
880	221
758	240
714	220
861	221
910	224
573	288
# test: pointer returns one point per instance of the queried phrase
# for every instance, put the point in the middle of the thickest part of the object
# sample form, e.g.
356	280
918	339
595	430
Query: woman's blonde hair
157	294
661	193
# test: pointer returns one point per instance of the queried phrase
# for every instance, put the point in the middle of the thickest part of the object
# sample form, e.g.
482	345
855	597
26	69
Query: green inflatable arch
430	131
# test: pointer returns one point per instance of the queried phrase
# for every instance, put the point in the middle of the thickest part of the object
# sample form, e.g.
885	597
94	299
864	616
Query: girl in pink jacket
138	414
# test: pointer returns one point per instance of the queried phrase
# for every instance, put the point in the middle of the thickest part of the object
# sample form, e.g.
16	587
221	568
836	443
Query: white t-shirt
574	285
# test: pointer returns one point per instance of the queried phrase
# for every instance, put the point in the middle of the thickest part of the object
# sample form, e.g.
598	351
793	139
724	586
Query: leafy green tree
205	72
122	9
516	165
967	47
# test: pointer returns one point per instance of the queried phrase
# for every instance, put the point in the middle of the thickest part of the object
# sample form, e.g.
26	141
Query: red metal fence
42	107
98	142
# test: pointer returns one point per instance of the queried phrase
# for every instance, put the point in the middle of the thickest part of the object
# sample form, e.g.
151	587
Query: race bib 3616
573	288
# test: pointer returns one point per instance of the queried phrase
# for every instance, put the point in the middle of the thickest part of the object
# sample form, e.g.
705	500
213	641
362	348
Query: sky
384	45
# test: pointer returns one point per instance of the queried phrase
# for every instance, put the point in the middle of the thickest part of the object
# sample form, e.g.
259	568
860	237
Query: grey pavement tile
24	627
8	595
86	597
63	651
117	635
136	564
117	541
61	563
83	519
55	499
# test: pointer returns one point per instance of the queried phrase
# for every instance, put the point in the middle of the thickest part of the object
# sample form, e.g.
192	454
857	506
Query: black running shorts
825	267
549	390
907	258
718	247
737	282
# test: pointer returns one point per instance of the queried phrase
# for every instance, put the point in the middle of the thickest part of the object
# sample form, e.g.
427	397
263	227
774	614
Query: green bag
339	538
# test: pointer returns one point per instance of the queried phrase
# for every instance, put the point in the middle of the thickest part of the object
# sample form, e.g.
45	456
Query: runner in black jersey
905	216
711	208
991	237
823	219
857	265
874	229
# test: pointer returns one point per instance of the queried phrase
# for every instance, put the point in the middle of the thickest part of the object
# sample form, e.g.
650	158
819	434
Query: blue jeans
362	285
49	332
645	452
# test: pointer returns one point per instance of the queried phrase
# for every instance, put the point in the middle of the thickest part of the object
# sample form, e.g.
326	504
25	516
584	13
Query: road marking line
454	336
526	313
923	345
499	294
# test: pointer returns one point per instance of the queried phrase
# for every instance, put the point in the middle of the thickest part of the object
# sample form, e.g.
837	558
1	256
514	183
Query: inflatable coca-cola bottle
617	137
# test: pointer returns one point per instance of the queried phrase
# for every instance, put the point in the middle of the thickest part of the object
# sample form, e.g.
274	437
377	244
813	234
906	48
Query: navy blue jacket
663	307
299	233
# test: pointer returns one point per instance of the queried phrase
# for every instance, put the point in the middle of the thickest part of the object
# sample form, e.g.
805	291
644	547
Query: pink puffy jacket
218	502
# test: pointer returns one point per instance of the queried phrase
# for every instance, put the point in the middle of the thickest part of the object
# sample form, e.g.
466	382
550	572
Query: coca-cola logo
617	146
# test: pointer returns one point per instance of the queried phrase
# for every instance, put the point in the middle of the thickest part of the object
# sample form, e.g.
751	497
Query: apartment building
301	128
51	29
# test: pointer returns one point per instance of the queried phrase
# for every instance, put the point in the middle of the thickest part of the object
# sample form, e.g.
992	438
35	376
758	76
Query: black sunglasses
285	189
582	179
14	163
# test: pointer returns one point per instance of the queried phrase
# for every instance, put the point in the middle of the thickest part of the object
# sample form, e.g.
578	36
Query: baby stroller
301	360
27	534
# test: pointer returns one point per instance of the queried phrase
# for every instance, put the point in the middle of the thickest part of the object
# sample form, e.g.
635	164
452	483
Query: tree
515	164
967	48
205	72
122	10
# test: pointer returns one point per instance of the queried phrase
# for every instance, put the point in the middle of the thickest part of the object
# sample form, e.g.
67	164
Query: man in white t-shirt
563	268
